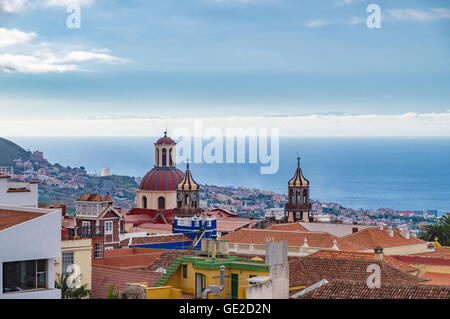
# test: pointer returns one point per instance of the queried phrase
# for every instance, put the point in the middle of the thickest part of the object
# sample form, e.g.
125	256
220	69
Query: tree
441	230
68	292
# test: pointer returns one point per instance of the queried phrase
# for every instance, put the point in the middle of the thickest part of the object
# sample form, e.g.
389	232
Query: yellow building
193	274
213	274
78	252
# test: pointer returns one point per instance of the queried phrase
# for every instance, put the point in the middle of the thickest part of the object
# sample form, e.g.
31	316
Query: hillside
9	151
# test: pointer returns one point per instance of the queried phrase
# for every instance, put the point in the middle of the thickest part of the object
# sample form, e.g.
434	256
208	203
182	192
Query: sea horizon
401	173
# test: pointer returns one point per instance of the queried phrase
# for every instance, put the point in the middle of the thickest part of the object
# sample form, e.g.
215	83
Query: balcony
87	232
299	207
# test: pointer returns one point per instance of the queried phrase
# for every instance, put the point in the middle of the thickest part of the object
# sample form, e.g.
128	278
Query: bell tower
188	200
298	205
165	152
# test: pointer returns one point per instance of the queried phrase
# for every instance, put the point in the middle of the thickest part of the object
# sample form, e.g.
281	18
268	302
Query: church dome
188	183
298	180
165	140
161	179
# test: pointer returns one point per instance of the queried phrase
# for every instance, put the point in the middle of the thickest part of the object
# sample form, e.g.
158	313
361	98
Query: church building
298	206
158	188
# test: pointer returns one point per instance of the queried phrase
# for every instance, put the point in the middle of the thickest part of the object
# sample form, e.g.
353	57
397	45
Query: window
67	260
144	201
170	157
98	250
164	157
86	228
24	275
161	203
184	271
108	227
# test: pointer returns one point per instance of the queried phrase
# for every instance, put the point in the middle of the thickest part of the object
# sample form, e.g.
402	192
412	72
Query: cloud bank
407	124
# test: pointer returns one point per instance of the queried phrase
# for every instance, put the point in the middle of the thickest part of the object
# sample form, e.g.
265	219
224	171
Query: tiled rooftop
309	270
155	239
294	238
340	289
363	256
288	226
373	237
436	278
105	276
10	218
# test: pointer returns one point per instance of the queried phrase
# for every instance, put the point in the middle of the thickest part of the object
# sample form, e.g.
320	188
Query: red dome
165	140
161	179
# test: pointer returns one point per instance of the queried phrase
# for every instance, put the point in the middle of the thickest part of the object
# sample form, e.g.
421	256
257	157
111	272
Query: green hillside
9	151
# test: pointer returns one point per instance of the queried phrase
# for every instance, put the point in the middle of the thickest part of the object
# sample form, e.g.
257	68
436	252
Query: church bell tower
298	205
188	198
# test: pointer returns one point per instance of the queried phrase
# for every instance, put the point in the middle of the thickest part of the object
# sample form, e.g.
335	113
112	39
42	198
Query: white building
17	193
30	240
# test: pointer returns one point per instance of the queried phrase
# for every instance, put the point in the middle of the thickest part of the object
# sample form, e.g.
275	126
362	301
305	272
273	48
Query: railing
87	232
300	207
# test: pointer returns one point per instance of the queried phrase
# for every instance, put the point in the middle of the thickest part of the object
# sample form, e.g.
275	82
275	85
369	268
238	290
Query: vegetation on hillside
10	151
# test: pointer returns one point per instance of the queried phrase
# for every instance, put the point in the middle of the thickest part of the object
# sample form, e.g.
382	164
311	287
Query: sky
309	68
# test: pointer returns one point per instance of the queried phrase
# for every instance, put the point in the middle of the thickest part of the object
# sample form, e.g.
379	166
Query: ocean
369	173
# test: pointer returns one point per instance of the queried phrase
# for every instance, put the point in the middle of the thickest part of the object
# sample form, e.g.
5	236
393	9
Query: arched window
144	201
164	157
290	196
157	157
186	200
305	196
161	203
297	194
170	157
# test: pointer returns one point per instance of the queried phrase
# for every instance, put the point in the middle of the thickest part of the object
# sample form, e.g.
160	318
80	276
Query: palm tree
441	230
68	292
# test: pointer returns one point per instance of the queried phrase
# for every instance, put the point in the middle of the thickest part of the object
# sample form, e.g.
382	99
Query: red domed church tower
158	188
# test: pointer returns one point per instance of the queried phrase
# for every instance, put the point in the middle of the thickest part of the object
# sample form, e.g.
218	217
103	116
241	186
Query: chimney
380	227
378	253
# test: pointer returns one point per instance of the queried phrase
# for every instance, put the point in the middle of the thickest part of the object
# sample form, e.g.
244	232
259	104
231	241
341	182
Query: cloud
66	3
316	23
418	15
12	6
31	64
43	60
47	62
11	37
340	3
407	124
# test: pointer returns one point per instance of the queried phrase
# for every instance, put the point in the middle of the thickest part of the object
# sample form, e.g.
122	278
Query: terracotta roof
168	258
129	257
94	198
340	289
149	215
373	237
309	270
159	239
288	226
68	223
105	276
436	278
438	253
229	226
418	260
362	256
294	238
10	218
